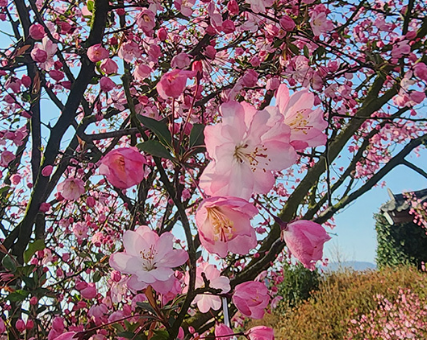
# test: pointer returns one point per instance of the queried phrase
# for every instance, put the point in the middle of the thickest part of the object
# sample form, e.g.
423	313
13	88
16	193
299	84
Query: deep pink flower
224	225
287	23
306	124
420	71
20	325
109	66
89	292
305	240
38	55
6	157
2	326
106	84
66	336
56	75
97	53
260	333
148	257
251	298
172	84
146	21
245	147
123	167
37	32
47	170
71	189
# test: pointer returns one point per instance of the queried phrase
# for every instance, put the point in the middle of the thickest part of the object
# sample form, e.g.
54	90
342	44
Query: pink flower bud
34	301
58	324
30	324
26	81
233	7
44	207
96	53
162	33
56	75
47	170
38	55
109	66
20	325
210	52
37	32
106	84
287	23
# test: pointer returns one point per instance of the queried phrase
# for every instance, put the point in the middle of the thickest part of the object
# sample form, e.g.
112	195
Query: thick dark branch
395	161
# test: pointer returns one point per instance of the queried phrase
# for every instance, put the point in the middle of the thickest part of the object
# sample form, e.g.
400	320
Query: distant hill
356	265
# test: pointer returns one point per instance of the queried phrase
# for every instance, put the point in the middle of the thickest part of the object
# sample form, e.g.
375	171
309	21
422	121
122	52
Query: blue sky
355	226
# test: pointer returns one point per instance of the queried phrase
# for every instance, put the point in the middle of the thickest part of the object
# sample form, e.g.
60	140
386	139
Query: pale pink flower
97	53
245	147
185	6
148	257
50	48
222	331
172	84
259	6
109	66
80	230
319	24
146	21
207	301
129	51
306	124
224	225
260	333
123	167
71	189
305	240
251	298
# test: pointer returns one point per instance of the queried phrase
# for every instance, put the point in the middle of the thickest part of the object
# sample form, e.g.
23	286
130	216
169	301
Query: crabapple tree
157	157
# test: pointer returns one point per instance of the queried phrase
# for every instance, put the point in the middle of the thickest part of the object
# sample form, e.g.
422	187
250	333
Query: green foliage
298	284
400	244
343	296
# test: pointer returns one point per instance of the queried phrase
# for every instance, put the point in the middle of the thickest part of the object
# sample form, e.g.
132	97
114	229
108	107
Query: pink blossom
162	33
123	167
2	326
305	240
287	23
47	170
109	66
20	325
89	292
38	55
142	72
129	51
210	52
146	21
260	333
66	336
420	71
400	49
246	147
56	75
251	298
6	157
37	32
97	53
71	189
148	257
207	301
15	179
172	84
80	230
259	6
319	24
221	332
306	125
58	324
224	225
250	78
106	84
181	60
185	6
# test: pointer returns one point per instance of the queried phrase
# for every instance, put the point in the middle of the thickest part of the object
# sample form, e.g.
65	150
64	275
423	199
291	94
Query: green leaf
29	282
96	277
32	248
159	128
155	148
4	189
9	263
146	307
90	6
160	335
197	136
294	49
19	295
